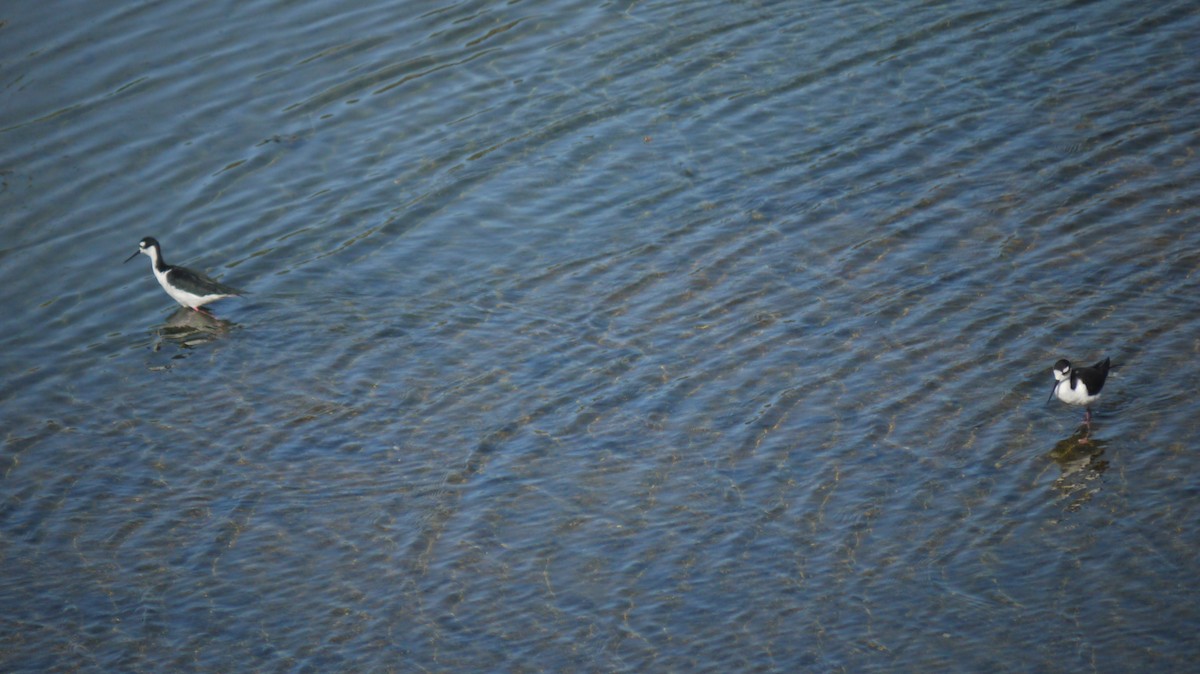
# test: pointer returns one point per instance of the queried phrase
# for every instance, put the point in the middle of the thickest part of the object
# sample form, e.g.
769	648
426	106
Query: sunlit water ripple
623	337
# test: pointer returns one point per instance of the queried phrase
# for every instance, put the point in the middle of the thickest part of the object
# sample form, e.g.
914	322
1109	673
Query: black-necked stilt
190	288
1079	385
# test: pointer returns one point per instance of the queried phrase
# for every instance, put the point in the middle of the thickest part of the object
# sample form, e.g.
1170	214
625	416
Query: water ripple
616	337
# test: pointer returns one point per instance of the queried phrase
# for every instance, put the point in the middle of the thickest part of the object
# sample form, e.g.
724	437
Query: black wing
200	284
1095	376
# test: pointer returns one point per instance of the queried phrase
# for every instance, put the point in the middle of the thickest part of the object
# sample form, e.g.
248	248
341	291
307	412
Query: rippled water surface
633	336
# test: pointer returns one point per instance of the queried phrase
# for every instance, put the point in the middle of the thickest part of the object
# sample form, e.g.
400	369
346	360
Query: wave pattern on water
631	337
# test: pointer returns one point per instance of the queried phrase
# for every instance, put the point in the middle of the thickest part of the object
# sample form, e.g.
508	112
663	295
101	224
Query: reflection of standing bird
1079	385
190	288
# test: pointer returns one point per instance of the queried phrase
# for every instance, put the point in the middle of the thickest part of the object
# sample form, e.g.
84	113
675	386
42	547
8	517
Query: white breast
1073	396
189	300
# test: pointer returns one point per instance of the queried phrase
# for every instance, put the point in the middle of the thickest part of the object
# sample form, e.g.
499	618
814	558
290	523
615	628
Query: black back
1092	377
198	282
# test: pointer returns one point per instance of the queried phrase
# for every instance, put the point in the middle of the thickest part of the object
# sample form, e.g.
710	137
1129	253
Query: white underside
1073	396
183	297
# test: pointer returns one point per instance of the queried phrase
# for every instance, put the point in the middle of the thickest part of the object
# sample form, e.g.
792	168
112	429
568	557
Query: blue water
599	337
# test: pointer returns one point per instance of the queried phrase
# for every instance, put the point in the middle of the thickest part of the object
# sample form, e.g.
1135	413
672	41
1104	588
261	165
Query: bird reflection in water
1078	459
188	329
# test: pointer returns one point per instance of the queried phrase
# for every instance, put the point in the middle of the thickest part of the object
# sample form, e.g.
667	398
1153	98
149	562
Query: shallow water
621	337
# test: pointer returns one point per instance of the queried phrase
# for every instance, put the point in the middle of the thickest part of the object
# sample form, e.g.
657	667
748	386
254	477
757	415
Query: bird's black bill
1052	390
135	254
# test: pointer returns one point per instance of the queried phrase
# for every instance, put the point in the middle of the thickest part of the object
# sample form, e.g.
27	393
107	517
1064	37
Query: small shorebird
1079	385
189	288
